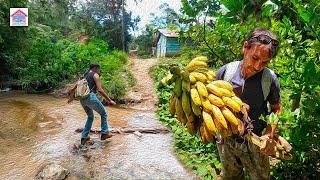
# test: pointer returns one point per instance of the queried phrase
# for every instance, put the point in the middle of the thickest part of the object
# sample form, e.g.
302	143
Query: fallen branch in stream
130	130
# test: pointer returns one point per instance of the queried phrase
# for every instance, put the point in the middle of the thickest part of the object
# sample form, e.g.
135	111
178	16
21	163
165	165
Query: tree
167	17
102	19
53	13
195	8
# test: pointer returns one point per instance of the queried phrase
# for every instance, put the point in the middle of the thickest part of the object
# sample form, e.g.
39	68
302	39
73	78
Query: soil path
144	90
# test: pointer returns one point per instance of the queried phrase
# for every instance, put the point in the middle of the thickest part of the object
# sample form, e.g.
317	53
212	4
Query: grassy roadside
201	158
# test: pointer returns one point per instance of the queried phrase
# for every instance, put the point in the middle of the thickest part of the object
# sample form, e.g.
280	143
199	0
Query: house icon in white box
18	16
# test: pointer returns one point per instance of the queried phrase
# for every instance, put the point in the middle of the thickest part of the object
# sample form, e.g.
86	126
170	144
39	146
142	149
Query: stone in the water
52	172
137	133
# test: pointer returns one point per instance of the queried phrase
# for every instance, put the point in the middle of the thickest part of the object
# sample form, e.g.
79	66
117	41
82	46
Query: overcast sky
145	7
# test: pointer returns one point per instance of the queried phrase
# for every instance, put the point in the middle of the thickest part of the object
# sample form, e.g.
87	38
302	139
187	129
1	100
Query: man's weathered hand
108	102
269	146
244	110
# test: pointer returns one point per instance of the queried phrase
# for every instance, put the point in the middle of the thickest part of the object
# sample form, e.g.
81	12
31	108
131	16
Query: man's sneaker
105	136
84	140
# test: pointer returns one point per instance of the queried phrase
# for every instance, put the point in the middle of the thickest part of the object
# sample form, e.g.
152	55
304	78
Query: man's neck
242	72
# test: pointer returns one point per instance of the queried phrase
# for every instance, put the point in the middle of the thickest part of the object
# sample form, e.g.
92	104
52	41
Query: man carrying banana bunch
257	86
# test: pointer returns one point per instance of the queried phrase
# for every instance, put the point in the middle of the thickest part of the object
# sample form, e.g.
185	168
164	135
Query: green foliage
200	157
103	19
115	85
194	8
297	61
49	59
47	52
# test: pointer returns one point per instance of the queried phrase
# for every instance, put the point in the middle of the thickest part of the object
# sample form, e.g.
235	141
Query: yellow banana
213	74
218	114
192	79
208	121
214	90
209	77
202	89
220	92
232	104
215	100
194	64
200	58
237	99
195	97
196	109
206	104
199	76
230	116
223	84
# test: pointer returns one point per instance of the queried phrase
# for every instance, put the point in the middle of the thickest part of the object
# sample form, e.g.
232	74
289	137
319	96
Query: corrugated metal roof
168	33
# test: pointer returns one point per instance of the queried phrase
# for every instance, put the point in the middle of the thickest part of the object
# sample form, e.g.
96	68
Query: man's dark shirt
91	82
250	91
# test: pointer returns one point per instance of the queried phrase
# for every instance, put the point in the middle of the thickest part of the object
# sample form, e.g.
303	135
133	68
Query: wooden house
167	43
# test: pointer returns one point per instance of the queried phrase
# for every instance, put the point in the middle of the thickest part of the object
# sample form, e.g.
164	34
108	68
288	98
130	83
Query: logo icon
18	16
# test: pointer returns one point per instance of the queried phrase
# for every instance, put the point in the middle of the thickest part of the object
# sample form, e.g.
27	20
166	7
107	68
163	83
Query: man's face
96	70
256	58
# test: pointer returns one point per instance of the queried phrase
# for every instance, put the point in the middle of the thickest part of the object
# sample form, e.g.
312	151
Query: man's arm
100	89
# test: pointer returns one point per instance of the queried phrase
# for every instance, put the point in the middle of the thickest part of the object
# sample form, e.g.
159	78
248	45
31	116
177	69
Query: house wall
173	46
161	46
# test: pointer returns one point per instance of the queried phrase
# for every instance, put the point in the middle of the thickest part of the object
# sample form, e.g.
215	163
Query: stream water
40	129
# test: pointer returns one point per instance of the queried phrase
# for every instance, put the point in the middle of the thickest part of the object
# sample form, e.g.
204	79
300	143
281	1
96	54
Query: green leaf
304	14
269	8
202	171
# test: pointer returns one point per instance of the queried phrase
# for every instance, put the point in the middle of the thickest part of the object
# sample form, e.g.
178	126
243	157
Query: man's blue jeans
89	104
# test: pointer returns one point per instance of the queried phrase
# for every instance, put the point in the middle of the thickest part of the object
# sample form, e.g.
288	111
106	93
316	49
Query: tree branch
204	37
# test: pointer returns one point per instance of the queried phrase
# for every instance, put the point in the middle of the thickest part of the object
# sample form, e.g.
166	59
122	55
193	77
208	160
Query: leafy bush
49	59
